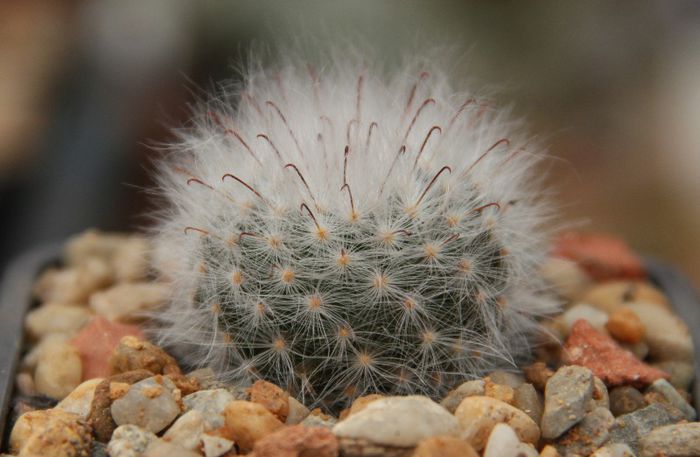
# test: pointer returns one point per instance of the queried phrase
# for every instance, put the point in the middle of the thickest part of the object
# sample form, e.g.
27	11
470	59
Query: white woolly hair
345	230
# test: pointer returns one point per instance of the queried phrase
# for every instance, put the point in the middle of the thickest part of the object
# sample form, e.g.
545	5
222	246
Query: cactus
346	232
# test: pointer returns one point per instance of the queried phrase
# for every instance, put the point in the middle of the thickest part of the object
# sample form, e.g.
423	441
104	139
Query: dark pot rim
19	276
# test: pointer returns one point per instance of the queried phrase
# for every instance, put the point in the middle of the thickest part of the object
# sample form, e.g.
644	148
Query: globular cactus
344	231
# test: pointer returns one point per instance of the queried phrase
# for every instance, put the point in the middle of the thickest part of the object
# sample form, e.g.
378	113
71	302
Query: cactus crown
343	232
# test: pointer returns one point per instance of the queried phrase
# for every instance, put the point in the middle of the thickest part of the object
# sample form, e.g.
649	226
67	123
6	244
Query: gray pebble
527	399
565	399
151	404
671	396
630	428
679	440
614	450
211	403
506	378
588	435
464	390
625	400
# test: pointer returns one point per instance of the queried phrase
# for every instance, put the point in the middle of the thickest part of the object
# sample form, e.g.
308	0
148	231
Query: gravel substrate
611	380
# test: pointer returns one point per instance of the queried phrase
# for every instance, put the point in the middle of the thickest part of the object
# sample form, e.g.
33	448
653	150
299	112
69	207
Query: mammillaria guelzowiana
347	230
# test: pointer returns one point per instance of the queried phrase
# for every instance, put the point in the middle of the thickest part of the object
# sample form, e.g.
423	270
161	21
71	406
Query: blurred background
612	87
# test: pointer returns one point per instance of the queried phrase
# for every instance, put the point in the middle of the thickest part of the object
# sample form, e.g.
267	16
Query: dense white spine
345	231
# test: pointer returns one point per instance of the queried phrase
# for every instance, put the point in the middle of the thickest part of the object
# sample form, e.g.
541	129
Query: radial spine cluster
347	231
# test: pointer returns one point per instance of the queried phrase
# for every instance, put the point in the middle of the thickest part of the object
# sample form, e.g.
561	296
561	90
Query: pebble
126	254
297	441
399	422
666	334
603	257
32	358
133	353
73	285
297	412
479	415
211	403
100	416
609	296
588	435
670	395
24	383
682	373
52	318
597	318
567	279
504	442
162	448
639	349
606	359
549	451
79	400
129	441
444	446
50	432
152	404
58	371
678	440
315	420
527	399
624	325
501	392
271	397
566	396
625	400
96	342
630	428
506	378
614	450
186	431
247	422
214	446
464	390
538	374
129	302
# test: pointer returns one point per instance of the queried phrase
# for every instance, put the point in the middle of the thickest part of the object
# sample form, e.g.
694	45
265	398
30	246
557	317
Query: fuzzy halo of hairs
343	230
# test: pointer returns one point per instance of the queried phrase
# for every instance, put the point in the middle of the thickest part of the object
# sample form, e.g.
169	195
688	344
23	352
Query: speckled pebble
298	441
679	440
51	432
614	450
565	399
215	446
670	395
630	428
152	404
527	399
129	441
247	422
588	435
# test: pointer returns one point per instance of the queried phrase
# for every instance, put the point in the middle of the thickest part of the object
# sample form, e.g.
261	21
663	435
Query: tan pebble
666	334
73	285
498	391
215	446
58	371
80	399
567	278
162	448
187	430
478	416
297	412
549	451
624	325
133	353
24	382
247	422
361	403
610	295
538	374
128	302
47	432
271	397
444	446
56	318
